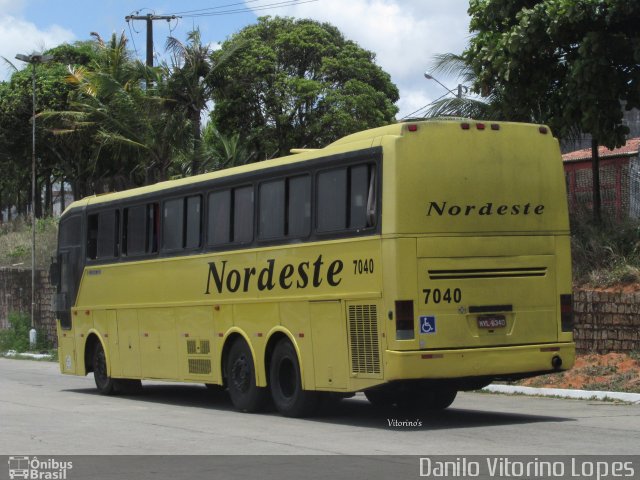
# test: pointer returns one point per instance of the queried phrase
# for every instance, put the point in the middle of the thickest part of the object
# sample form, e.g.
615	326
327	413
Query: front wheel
245	395
285	382
105	384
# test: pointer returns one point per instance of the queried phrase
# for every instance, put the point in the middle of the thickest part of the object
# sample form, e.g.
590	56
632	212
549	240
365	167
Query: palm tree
456	65
190	85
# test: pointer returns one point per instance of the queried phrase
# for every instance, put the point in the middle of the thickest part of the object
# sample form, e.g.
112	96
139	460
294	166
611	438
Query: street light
33	59
461	88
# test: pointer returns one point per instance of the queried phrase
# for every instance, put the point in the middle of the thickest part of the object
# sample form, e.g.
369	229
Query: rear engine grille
363	339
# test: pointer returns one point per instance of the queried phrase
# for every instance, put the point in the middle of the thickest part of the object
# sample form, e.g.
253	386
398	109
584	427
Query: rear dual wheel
285	382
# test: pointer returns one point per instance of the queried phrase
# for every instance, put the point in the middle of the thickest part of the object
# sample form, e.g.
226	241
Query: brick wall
606	321
15	296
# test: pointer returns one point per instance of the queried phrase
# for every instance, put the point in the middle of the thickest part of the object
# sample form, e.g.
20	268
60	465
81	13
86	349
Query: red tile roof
630	148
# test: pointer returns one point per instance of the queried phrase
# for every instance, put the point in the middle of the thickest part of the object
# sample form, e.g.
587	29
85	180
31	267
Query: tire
241	380
104	383
128	386
381	397
285	382
439	399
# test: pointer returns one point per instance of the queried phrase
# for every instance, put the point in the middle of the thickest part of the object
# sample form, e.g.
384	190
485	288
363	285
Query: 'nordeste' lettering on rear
486	209
221	278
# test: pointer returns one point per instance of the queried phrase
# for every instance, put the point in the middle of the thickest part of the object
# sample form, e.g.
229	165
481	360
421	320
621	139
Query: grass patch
15	242
605	254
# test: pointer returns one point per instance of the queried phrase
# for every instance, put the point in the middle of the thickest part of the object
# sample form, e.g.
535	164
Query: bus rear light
550	349
495	126
412	127
480	126
566	312
404	320
465	126
543	130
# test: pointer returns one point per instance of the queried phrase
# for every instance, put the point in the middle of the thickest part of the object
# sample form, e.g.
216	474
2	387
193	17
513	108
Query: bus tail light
404	320
566	312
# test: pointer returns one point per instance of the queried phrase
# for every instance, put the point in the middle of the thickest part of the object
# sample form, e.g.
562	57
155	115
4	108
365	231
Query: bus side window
193	221
92	237
173	224
108	233
153	227
272	211
359	183
332	200
219	218
103	235
134	230
243	214
299	206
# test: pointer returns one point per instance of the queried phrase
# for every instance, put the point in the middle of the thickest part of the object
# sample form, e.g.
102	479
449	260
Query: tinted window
359	195
272	211
153	227
332	200
243	214
70	229
193	222
135	230
299	206
108	234
172	224
219	222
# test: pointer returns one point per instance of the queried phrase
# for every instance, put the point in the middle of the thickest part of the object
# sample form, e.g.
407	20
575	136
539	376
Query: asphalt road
44	412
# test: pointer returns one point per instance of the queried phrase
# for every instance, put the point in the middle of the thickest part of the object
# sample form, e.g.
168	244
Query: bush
606	253
16	337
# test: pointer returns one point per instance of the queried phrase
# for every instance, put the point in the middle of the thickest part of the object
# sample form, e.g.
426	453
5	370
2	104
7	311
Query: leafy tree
298	83
134	132
572	64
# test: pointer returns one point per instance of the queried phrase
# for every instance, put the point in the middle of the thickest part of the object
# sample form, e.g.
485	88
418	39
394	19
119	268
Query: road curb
565	393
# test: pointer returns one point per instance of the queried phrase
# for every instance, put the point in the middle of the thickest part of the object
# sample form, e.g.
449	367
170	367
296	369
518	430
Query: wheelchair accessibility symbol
428	324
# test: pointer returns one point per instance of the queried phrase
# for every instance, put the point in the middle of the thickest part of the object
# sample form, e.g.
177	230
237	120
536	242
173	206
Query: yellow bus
408	262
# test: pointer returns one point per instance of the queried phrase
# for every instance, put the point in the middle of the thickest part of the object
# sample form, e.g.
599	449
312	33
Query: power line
425	106
215	8
207	13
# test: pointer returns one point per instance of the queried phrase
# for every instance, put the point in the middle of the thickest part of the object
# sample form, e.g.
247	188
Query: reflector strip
429	356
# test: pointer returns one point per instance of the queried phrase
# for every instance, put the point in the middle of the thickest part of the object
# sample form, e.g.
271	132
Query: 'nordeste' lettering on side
486	209
303	275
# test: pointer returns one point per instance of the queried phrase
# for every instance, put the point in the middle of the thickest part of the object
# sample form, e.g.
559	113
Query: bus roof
338	146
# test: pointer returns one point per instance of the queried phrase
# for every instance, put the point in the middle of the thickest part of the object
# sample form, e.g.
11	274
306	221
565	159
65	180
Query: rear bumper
477	362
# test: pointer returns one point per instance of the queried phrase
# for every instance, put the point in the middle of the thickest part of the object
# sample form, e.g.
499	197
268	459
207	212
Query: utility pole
149	19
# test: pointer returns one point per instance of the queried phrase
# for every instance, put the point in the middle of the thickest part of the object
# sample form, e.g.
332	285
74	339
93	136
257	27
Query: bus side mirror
54	273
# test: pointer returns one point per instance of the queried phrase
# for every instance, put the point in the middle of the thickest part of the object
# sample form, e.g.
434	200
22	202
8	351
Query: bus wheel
104	383
381	397
286	383
440	398
241	380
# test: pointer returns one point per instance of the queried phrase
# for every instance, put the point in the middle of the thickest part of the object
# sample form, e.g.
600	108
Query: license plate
492	321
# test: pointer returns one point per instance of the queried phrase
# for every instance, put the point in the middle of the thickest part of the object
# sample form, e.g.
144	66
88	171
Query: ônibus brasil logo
33	468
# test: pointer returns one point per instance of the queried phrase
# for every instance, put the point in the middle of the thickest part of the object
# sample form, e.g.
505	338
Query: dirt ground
614	372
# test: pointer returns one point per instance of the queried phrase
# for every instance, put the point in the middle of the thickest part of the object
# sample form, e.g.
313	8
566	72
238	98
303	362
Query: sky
404	34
